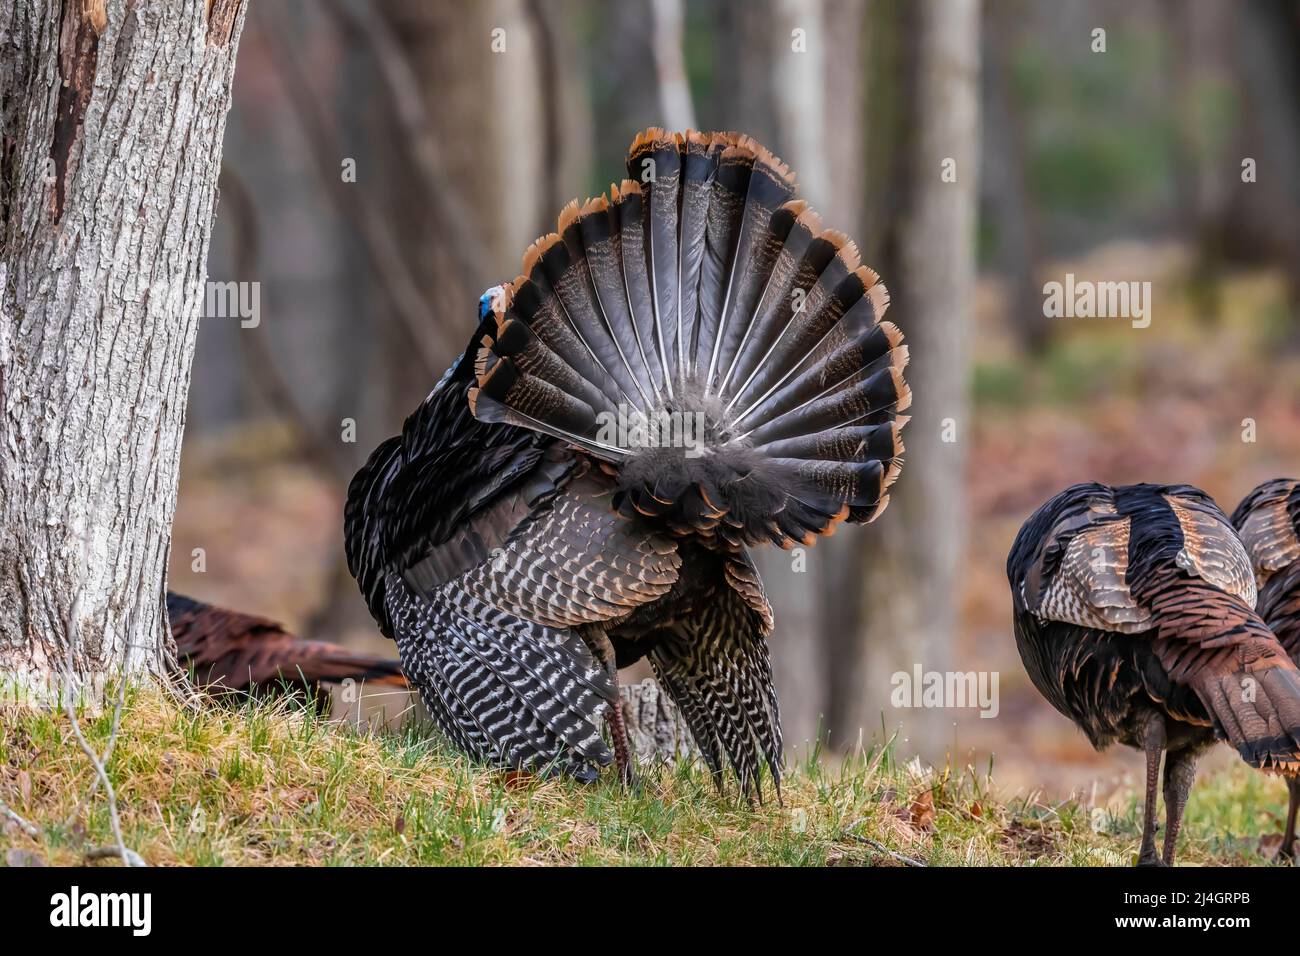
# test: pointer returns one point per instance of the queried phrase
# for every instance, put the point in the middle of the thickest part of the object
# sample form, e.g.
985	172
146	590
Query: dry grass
270	784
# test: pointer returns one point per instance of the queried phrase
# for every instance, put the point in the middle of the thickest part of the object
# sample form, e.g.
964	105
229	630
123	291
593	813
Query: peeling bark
222	17
82	22
111	122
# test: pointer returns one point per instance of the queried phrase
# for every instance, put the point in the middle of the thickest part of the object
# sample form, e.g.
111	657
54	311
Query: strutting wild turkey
1134	615
1269	523
230	652
520	547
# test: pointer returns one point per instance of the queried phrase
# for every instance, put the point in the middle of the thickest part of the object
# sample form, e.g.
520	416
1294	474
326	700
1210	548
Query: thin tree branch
881	848
108	750
878	846
30	829
129	857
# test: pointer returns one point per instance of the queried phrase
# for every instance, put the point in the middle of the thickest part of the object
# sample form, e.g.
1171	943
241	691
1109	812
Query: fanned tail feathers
701	334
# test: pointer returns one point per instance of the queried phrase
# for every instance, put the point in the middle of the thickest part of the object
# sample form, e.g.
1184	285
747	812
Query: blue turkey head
486	300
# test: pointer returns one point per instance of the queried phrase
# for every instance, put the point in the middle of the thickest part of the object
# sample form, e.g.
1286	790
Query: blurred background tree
471	123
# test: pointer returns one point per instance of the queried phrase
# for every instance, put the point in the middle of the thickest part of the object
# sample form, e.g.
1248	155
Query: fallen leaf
1270	845
921	812
517	779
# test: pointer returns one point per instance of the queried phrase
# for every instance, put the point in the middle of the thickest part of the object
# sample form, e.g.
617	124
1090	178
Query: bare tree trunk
670	67
113	116
840	559
476	67
798	73
913	578
745	42
1201	39
791	60
1007	185
845	107
1270	40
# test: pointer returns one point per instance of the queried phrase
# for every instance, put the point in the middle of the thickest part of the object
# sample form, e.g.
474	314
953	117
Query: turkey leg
604	651
1288	838
1180	771
1153	745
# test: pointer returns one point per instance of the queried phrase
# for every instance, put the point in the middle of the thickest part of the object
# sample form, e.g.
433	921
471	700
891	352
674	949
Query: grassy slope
269	784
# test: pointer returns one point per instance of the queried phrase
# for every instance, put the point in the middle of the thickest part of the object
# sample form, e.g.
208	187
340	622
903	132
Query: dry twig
30	829
129	857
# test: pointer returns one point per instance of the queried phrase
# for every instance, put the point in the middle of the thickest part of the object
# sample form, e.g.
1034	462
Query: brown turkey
688	366
230	652
1134	616
1269	523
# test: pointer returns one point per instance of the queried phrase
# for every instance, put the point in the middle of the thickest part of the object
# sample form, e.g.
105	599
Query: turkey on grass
688	367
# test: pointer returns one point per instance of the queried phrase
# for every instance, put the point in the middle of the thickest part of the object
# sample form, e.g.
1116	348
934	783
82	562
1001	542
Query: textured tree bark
655	727
110	131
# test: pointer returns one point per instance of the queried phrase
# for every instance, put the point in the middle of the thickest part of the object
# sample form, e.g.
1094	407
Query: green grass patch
266	783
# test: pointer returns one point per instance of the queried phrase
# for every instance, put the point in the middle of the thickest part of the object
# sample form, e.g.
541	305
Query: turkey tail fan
702	335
